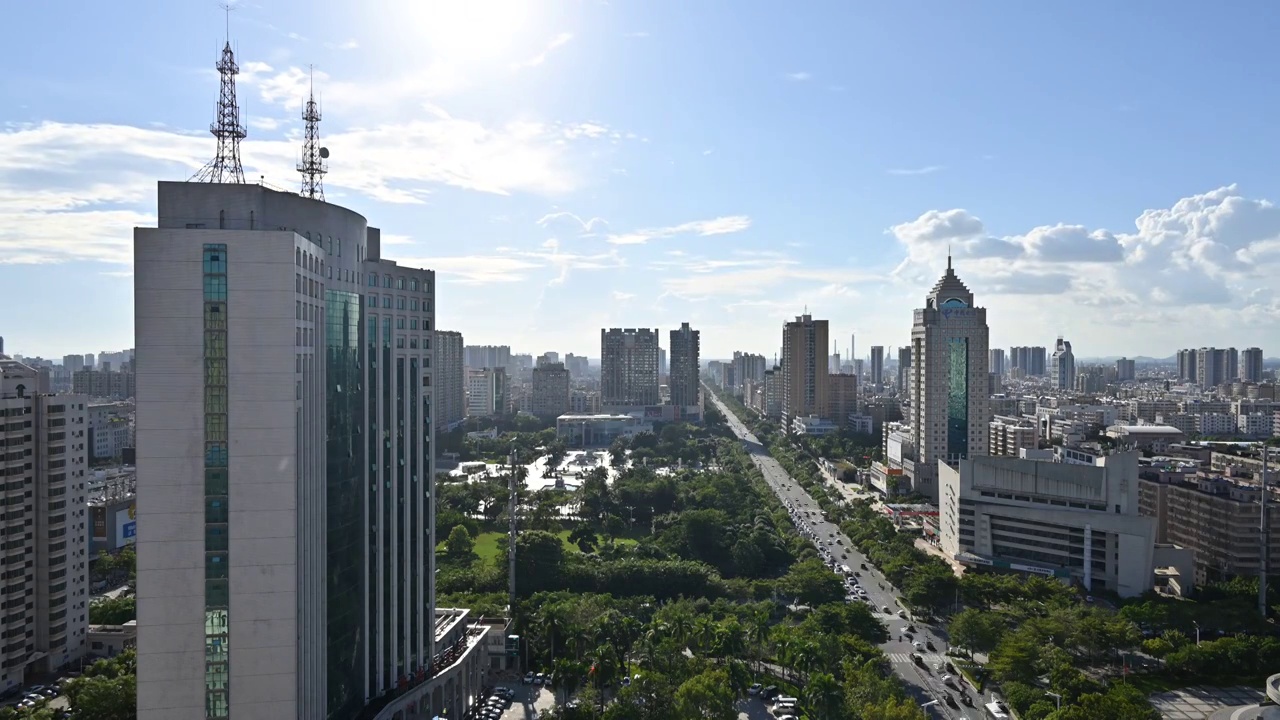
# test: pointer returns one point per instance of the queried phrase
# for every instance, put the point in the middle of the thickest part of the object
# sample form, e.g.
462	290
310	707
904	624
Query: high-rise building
842	397
745	368
45	440
950	408
1187	369
685	367
995	361
488	392
105	383
578	366
904	369
662	362
1029	359
877	365
1126	370
629	367
804	368
483	356
1062	371
1210	370
72	363
550	389
286	552
1230	364
450	378
1251	364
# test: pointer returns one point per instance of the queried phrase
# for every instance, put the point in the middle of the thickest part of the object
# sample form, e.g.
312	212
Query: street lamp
931	702
1055	696
1193	622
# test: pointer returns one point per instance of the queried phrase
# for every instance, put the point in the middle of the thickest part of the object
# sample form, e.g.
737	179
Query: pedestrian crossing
930	659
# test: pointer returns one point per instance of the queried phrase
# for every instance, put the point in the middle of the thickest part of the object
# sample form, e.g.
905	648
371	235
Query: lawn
492	543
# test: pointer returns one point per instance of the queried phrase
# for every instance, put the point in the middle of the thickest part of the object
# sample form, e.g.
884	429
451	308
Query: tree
823	697
707	696
459	544
105	696
811	583
976	630
113	611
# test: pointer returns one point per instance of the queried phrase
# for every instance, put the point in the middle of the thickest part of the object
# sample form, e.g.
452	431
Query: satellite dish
324	152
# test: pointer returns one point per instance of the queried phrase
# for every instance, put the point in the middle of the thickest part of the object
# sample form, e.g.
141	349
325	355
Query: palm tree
758	634
824	697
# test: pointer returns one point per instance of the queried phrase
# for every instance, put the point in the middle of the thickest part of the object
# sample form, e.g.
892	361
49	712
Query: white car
755	689
918	645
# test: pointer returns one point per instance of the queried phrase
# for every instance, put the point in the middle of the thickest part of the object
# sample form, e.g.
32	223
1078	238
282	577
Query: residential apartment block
685	366
550	396
450	379
805	373
629	367
44	449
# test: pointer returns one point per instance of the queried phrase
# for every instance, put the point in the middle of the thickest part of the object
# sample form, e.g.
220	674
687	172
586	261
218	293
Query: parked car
755	689
528	678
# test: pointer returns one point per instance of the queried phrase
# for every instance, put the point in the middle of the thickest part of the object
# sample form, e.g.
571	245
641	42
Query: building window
399	323
413	303
386	281
373	301
399	302
399	283
373	280
413	323
413	285
386	301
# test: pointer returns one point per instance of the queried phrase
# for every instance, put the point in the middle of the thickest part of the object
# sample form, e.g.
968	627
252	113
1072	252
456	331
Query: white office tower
284	445
950	405
45	445
1062	367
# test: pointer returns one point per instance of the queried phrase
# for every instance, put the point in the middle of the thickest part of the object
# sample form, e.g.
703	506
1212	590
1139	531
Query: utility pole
1264	536
512	480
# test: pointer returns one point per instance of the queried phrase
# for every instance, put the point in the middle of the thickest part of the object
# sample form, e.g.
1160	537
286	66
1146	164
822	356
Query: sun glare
477	30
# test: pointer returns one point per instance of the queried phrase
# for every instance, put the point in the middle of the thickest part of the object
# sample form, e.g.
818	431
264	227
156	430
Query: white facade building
1062	366
111	425
1074	522
43	455
949	400
285	524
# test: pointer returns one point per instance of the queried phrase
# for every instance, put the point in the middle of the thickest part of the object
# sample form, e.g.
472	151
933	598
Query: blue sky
1102	171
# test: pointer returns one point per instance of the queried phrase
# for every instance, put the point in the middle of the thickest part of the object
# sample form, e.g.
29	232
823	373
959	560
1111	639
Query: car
911	627
844	556
769	693
862	565
528	678
929	644
857	574
951	701
1088	599
755	689
918	645
902	613
917	659
950	668
626	681
947	680
887	610
539	679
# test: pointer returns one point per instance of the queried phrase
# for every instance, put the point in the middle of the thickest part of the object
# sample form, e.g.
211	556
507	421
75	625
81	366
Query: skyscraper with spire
950	405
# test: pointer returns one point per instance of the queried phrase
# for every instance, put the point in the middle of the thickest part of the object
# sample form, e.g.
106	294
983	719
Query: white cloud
556	42
620	296
799	76
563	218
926	170
586	129
718	226
1216	250
74	192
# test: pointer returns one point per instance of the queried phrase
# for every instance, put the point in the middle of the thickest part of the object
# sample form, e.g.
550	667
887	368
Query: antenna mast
313	165
226	126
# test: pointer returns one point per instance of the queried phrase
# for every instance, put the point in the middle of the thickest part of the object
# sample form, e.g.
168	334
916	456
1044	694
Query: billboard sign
126	526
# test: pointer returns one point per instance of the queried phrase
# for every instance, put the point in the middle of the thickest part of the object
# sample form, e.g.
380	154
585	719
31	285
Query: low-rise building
1148	437
597	430
814	426
1075	522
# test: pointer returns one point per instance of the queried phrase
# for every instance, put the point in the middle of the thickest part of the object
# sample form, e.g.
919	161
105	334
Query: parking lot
527	702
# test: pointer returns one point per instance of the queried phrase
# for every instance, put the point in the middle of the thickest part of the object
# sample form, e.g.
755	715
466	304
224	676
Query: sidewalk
956	566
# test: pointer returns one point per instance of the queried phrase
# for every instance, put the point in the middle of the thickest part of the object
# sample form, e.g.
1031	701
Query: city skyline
507	155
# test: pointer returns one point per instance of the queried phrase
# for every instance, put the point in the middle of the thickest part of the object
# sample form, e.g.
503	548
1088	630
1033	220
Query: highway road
925	684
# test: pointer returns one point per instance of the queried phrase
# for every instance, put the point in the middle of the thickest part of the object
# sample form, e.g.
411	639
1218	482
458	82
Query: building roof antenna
313	164
227	125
